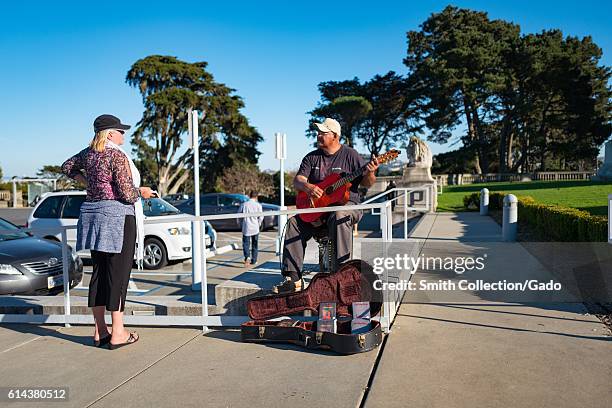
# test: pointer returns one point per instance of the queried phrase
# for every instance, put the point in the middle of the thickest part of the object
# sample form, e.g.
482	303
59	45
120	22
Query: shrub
496	201
548	221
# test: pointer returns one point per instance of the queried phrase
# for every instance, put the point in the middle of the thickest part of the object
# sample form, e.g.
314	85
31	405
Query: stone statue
605	171
419	154
417	173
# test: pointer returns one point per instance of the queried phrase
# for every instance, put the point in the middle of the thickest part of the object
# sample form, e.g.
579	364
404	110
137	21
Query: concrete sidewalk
178	367
455	354
490	354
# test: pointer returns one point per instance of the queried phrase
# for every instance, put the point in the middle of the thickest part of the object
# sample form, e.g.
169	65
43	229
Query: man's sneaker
289	286
246	262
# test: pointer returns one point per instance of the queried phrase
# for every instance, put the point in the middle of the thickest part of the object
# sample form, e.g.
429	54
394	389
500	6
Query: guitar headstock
388	156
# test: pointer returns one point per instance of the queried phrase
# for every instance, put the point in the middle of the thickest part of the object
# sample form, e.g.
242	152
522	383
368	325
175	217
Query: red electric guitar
335	189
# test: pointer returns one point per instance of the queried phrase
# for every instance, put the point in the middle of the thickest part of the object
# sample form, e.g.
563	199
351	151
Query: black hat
104	122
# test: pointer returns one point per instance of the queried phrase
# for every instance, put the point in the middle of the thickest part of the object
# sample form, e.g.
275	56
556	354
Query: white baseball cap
329	125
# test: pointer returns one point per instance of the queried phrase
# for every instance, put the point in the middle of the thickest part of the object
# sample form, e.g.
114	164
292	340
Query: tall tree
563	101
531	102
455	57
55	172
349	111
393	114
169	88
243	177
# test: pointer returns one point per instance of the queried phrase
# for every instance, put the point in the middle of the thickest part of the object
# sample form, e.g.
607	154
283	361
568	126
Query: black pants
111	272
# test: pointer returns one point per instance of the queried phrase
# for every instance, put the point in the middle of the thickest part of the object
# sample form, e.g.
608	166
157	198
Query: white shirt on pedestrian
250	225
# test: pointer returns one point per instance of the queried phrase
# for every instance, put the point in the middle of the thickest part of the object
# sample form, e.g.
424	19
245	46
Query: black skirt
111	272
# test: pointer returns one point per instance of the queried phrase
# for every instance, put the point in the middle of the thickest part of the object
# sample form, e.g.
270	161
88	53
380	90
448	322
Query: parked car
163	242
33	266
176	199
224	203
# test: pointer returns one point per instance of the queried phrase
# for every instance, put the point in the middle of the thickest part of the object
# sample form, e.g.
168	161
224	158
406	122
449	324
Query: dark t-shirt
317	165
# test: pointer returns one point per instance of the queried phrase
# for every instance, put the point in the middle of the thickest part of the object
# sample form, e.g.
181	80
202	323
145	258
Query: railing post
196	254
204	282
66	276
510	218
389	221
405	213
383	223
386	310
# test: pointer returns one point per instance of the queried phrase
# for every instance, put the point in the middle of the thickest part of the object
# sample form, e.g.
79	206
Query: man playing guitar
330	157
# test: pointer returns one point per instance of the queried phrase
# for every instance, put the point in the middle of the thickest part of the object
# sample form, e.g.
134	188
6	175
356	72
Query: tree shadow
515	329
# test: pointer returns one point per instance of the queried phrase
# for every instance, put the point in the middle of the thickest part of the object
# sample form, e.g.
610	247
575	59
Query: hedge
552	222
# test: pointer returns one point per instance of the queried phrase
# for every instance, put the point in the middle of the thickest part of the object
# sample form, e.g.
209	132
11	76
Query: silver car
30	265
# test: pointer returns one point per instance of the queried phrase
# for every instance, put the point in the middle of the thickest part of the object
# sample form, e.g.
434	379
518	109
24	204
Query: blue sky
64	63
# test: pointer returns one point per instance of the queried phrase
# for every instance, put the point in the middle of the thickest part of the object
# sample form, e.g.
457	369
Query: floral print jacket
108	175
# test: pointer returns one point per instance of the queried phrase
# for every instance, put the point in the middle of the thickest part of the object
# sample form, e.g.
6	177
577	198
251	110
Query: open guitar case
352	282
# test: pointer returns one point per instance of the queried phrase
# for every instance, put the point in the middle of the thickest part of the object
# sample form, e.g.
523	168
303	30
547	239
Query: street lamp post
196	236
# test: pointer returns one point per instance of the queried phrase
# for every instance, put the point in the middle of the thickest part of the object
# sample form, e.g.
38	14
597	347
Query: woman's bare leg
119	334
101	329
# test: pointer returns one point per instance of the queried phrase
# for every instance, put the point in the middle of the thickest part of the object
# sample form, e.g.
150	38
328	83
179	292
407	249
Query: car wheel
155	255
269	223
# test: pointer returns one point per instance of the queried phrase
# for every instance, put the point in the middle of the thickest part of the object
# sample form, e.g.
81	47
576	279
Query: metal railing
610	218
391	303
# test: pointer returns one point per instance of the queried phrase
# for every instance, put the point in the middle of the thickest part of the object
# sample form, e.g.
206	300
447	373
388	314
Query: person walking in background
392	194
250	228
110	224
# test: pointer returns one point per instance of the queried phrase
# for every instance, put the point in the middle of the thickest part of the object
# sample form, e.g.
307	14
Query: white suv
163	242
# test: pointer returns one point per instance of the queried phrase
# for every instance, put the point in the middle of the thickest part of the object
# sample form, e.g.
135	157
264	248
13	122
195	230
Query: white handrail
384	193
204	320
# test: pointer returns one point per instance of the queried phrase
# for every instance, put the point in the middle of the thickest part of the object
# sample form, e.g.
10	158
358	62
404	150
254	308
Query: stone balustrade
458	179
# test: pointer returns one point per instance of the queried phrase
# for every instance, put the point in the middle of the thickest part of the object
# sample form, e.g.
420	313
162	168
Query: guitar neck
348	178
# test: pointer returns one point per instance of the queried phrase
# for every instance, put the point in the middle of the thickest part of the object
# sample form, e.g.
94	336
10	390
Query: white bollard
484	201
510	219
610	218
15	194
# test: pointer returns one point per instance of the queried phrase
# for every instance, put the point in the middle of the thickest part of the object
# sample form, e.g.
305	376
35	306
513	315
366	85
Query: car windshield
241	198
232	199
156	206
6	231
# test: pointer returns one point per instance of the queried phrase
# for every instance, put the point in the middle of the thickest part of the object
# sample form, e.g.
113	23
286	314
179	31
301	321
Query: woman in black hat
110	224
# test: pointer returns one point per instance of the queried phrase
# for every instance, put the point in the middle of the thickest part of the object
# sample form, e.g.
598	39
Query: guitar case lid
353	282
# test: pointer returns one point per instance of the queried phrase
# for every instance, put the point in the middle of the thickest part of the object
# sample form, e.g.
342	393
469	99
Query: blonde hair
99	141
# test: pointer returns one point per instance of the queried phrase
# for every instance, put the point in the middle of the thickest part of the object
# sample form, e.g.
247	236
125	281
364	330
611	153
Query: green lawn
584	195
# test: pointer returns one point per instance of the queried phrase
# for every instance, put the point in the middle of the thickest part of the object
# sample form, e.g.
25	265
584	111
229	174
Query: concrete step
232	295
134	305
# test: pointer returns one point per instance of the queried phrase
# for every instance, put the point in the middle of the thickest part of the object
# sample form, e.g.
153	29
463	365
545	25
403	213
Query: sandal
131	340
103	341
